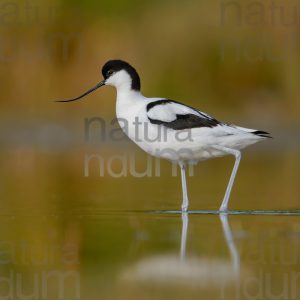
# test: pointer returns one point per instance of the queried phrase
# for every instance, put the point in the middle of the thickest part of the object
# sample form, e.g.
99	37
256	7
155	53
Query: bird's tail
262	134
255	132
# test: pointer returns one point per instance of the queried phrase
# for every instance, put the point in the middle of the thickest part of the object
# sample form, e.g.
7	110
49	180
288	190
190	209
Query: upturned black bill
101	83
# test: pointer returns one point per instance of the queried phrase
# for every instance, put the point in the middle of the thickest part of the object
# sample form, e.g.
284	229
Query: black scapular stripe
185	121
159	102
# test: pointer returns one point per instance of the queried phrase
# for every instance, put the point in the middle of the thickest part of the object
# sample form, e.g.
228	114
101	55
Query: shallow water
67	236
150	256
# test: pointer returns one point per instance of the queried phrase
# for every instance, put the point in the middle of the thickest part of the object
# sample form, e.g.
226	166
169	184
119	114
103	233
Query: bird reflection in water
184	269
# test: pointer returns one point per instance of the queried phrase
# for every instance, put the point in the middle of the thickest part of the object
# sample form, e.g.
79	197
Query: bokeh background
236	60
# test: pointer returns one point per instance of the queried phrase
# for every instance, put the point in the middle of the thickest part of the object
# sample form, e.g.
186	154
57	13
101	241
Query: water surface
142	255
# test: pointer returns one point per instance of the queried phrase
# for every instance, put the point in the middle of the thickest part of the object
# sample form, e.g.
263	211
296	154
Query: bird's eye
109	72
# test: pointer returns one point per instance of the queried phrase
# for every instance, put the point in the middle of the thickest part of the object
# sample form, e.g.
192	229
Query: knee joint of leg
237	154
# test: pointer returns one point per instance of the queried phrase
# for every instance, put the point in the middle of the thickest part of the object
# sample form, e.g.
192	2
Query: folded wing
178	116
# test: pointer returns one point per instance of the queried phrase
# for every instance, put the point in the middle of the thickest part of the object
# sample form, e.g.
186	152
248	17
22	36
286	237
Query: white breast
131	113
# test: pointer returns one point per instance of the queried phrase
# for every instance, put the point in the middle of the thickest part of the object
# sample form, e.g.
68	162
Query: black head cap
113	66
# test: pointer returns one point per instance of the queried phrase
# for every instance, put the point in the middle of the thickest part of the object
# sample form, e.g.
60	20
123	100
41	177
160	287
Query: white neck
128	101
125	93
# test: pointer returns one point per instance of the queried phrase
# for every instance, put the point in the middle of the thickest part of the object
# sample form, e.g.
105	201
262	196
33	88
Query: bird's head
117	73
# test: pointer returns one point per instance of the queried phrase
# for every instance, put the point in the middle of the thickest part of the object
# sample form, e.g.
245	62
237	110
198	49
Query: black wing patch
187	121
183	121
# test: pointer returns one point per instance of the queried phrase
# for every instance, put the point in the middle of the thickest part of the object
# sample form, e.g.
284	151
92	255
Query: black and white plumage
169	129
178	116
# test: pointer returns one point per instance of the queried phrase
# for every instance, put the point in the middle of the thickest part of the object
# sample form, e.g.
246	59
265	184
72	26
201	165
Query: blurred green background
236	60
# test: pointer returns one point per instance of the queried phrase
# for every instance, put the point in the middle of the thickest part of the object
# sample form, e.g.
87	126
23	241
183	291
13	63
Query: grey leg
185	224
185	199
237	154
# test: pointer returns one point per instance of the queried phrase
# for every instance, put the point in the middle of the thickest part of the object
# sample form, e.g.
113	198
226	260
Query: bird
171	130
